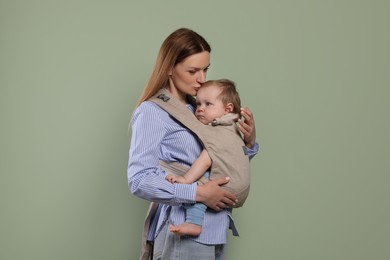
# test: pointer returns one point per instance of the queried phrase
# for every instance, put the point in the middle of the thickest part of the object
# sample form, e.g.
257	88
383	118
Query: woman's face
187	76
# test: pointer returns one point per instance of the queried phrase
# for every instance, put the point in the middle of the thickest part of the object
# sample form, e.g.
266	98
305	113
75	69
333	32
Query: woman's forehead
197	61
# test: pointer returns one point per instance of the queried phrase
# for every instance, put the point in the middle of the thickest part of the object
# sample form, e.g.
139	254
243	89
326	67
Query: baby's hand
171	178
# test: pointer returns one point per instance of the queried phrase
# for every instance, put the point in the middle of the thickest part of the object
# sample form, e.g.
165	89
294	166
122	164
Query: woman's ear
229	108
170	72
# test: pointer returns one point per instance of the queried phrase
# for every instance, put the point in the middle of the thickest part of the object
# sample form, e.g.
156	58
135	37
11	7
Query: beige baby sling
224	146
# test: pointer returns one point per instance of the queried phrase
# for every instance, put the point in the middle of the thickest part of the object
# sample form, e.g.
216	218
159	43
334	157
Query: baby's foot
186	229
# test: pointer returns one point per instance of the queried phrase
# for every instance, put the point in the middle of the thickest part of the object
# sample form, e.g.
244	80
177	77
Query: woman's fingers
247	127
213	196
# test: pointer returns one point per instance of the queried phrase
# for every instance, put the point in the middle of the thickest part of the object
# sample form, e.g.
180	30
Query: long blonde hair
179	45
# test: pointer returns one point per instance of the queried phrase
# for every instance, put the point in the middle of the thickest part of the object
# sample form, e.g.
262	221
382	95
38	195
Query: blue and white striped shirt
158	136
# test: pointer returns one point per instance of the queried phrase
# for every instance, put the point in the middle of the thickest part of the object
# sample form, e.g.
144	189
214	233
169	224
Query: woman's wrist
199	197
250	145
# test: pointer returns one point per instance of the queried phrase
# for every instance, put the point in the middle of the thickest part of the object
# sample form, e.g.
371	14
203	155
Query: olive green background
315	74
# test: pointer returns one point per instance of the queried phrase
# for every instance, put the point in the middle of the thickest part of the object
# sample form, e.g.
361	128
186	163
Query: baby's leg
194	220
186	229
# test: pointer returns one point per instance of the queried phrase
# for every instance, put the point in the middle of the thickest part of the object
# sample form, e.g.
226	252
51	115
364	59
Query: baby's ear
229	108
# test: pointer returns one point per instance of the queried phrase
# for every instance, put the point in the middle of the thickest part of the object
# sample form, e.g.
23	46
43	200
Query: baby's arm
198	168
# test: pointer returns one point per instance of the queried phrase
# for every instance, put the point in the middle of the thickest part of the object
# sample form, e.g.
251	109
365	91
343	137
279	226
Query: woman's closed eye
194	71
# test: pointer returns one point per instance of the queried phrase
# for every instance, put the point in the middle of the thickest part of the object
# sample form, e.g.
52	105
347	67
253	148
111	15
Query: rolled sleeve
253	151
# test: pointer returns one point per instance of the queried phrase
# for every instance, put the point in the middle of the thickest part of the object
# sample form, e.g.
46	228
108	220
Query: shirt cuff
185	193
254	150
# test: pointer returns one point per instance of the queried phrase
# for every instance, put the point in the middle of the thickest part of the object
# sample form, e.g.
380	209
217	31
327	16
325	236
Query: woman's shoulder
150	110
148	106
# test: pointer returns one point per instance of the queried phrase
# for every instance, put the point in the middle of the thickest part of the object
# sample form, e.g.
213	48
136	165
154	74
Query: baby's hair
229	92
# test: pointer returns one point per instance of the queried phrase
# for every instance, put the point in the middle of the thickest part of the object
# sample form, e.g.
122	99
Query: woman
181	68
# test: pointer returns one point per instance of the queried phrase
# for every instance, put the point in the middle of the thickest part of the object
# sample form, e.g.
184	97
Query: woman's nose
202	77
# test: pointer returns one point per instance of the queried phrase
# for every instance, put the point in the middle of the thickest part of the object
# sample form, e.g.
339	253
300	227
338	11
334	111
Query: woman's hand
247	127
213	196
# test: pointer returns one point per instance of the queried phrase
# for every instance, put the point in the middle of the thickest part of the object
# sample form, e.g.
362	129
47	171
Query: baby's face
208	105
